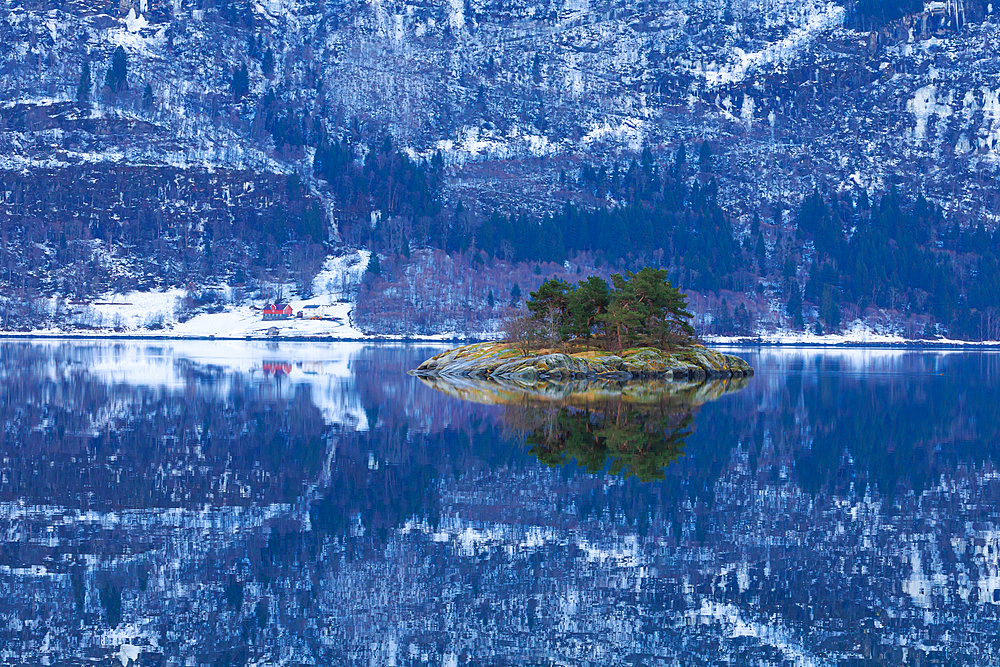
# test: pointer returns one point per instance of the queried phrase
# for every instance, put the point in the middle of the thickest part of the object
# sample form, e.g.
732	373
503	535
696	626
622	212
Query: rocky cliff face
498	86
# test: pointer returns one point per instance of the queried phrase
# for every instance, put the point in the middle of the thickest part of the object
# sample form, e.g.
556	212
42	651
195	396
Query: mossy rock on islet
500	360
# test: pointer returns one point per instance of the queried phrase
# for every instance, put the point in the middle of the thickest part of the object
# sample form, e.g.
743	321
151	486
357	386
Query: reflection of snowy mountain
801	526
150	460
217	367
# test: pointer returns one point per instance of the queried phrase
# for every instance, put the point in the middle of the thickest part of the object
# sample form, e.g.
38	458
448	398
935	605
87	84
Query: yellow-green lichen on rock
511	391
498	360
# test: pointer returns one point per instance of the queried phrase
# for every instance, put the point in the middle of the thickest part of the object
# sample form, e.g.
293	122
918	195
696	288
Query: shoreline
948	345
951	345
29	336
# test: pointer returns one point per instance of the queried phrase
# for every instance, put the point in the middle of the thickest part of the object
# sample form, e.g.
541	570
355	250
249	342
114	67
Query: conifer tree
680	158
83	88
267	63
587	303
549	304
871	13
621	320
515	294
240	85
374	266
761	253
116	77
829	308
705	158
794	305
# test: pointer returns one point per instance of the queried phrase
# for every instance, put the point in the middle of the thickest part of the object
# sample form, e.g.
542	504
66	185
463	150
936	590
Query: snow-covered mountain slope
208	118
773	82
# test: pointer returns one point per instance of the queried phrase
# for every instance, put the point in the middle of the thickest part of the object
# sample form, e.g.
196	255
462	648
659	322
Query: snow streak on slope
741	64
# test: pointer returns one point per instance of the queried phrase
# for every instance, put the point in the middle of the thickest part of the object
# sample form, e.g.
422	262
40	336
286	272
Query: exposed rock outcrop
512	391
498	360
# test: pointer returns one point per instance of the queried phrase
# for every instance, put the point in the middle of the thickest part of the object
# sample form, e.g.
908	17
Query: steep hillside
265	124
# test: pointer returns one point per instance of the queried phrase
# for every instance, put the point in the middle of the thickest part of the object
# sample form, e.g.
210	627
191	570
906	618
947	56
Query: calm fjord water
233	503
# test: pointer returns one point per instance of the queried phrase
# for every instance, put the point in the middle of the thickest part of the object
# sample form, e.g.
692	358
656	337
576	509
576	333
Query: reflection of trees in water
894	429
328	565
76	440
264	494
372	489
628	439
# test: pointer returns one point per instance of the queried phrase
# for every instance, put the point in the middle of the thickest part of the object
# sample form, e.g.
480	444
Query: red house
277	368
278	311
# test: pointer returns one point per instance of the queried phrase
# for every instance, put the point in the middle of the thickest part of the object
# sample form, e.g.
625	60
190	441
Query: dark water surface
223	503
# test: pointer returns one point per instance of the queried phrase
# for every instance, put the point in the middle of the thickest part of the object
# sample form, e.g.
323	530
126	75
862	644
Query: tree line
872	13
893	256
668	216
640	308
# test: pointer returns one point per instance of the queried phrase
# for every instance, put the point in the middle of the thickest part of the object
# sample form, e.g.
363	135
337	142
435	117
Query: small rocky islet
505	361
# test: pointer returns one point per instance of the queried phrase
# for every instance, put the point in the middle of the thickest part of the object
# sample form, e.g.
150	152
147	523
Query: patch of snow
924	105
858	333
988	557
340	275
136	310
135	22
127	654
456	14
918	584
469	538
136	39
819	19
33	101
245	321
772	635
629	132
626	555
480	143
969	105
747	111
990	132
963	146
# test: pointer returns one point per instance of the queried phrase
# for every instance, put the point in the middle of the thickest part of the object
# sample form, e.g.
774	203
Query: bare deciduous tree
523	331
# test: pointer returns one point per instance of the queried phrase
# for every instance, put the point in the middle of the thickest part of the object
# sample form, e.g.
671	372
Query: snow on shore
326	312
153	314
244	321
857	334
